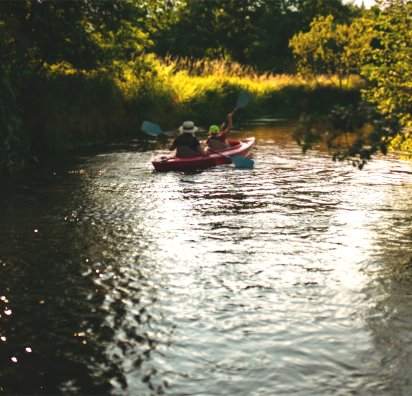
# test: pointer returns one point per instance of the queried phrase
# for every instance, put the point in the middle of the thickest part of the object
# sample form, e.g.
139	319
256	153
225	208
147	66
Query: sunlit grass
165	90
189	78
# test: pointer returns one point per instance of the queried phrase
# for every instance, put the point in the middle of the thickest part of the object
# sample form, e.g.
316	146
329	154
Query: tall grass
207	88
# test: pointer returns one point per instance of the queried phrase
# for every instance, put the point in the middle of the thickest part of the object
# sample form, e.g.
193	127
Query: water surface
291	278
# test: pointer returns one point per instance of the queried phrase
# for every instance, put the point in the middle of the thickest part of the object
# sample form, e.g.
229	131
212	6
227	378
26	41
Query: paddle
242	100
151	129
238	160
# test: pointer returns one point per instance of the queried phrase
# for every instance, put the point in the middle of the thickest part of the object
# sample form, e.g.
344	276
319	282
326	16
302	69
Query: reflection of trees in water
53	310
134	320
53	341
390	319
78	298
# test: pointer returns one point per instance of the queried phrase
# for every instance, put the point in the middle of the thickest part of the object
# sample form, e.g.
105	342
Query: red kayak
234	153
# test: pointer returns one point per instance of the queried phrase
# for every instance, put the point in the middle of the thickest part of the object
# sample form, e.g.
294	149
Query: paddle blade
151	129
243	100
242	162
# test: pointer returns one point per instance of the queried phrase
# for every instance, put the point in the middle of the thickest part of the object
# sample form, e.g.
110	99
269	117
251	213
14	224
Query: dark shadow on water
51	325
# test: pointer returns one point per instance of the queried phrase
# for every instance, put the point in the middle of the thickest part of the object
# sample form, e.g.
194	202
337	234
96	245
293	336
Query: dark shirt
186	139
221	137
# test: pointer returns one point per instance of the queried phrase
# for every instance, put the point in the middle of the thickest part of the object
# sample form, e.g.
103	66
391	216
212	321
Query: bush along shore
62	109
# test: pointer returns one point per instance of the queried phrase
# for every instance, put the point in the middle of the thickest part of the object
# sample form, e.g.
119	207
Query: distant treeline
81	72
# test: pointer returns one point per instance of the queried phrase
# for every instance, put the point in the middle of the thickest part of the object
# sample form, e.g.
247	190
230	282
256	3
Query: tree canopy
251	32
84	33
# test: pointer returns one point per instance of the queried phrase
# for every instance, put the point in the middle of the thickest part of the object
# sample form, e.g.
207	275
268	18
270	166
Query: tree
333	49
83	33
251	32
380	47
389	74
212	29
36	35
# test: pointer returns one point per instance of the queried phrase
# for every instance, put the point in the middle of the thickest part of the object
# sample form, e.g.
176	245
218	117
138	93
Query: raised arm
226	127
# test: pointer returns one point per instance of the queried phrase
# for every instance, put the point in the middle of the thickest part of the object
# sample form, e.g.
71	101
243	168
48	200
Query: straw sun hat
188	127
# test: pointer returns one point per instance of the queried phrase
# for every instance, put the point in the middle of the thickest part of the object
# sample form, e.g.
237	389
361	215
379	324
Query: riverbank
63	109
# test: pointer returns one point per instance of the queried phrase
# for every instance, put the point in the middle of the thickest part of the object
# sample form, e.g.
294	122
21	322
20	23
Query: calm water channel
294	278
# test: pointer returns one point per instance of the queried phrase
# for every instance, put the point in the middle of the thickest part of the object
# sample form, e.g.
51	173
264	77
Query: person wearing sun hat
186	144
218	135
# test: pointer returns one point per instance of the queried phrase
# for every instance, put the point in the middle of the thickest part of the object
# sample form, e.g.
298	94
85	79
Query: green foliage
83	33
377	46
208	90
56	57
333	49
14	147
252	32
390	72
66	111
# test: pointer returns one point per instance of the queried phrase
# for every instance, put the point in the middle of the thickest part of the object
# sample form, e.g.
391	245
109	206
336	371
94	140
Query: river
294	278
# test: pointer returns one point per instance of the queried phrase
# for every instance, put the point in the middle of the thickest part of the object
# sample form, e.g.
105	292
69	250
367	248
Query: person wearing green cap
218	135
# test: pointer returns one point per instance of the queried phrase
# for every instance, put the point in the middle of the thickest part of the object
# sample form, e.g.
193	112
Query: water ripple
291	278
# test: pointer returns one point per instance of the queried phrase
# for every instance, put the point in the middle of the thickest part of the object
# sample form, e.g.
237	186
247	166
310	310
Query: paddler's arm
199	147
173	145
200	150
226	127
229	123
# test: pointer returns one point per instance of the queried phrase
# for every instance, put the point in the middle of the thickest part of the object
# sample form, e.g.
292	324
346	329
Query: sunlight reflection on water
259	276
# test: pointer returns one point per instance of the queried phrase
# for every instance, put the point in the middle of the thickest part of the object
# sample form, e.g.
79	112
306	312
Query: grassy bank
206	91
63	109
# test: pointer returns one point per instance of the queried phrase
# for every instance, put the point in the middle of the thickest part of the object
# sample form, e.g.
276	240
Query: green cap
214	129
